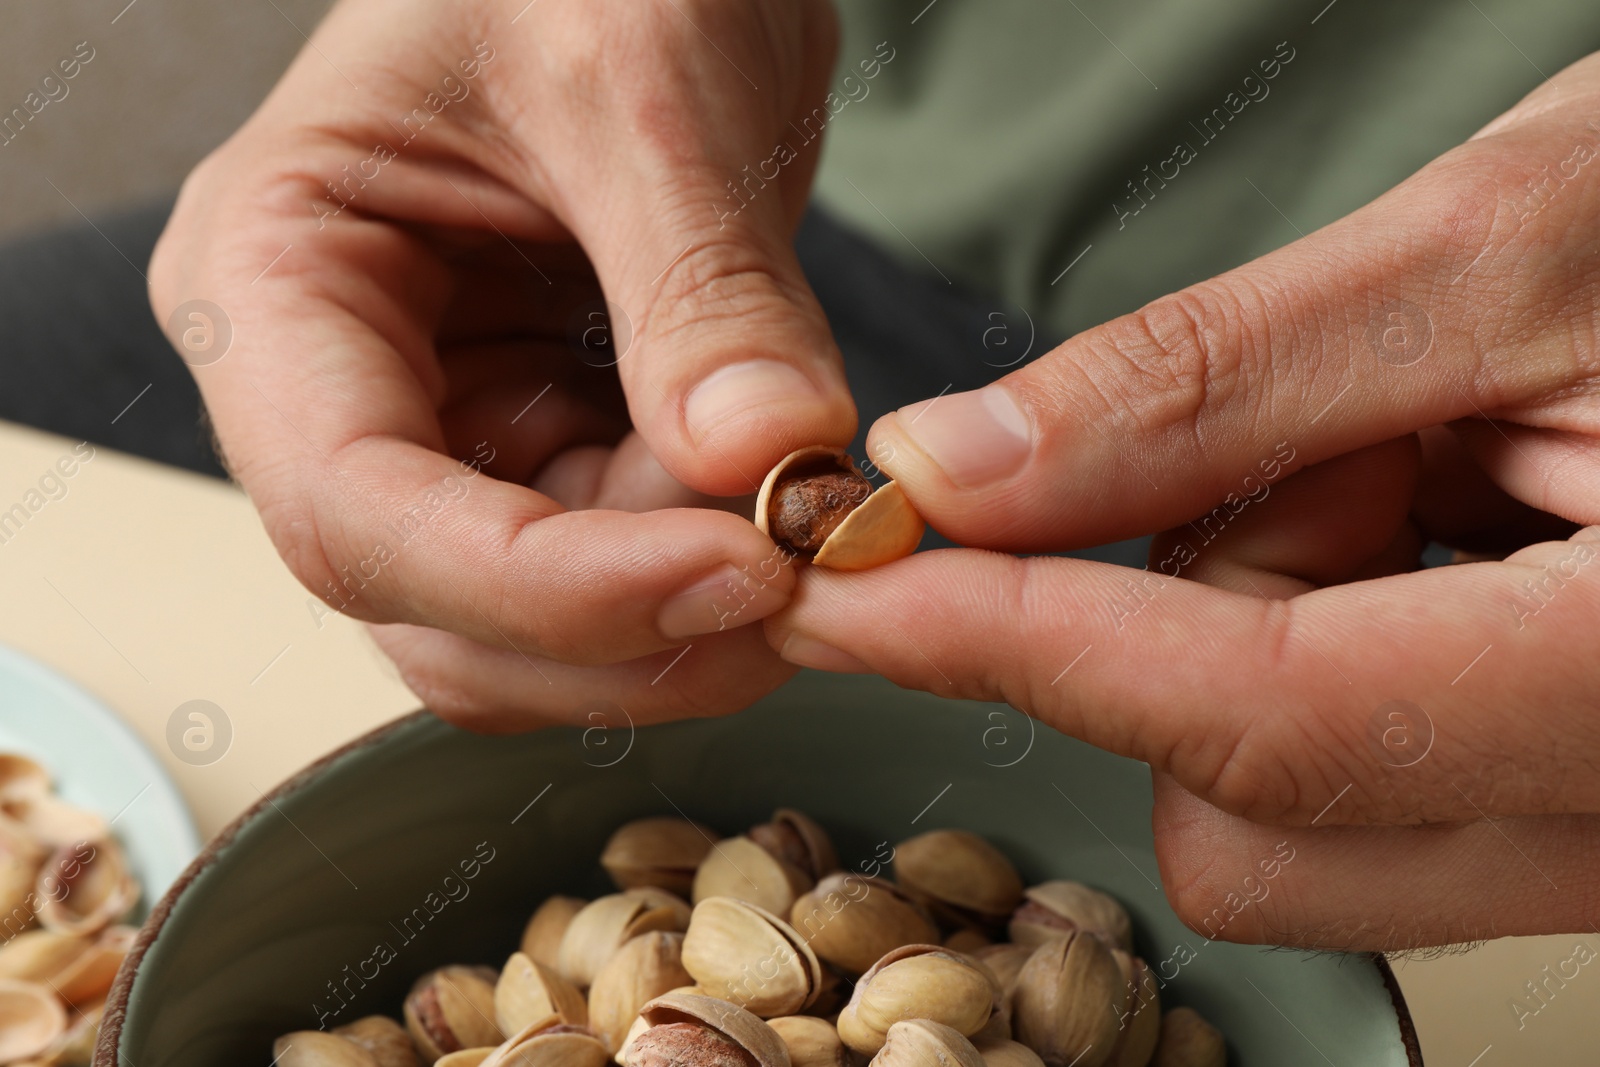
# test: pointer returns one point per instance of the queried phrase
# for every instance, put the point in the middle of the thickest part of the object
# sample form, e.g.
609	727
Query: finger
1373	889
689	224
1459	505
491	689
1259	706
1549	470
1366	330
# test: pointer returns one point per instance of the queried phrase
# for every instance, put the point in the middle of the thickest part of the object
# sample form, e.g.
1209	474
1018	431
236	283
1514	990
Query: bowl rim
106	1052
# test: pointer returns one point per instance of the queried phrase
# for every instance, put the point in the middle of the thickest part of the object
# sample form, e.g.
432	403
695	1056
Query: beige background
152	587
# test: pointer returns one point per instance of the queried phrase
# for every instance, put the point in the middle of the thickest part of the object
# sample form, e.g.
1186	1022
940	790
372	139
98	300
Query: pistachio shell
450	1009
1140	1026
796	837
53	821
757	1039
743	953
643	969
384	1038
31	1020
85	887
811	1042
88	976
959	876
741	869
1054	908
1008	1054
75	1048
528	991
21	777
918	982
1187	1040
1067	1001
40	955
605	925
661	851
541	938
851	921
467	1057
549	1042
21	858
314	1048
968	939
1005	962
883	528
924	1043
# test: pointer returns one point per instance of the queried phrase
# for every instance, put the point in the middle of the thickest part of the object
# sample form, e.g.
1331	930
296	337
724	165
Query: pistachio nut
1005	962
87	977
549	1042
384	1038
316	1048
968	939
85	887
467	1057
812	1042
850	921
918	982
740	868
75	1048
1187	1040
606	924
815	503
796	838
21	777
742	953
52	821
663	851
21	857
527	991
1067	1001
31	1020
452	1008
1140	1024
643	969
683	1029
1008	1054
1053	908
924	1043
541	938
960	877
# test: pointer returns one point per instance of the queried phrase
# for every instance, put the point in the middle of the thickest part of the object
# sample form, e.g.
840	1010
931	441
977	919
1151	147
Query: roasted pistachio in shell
1054	908
742	953
549	1042
818	505
605	925
741	869
541	938
467	1057
528	991
924	1043
850	921
795	837
661	851
686	1030
1187	1040
959	877
1005	961
384	1038
316	1048
1140	1023
1067	1002
812	1042
643	969
1008	1054
31	1020
452	1008
917	982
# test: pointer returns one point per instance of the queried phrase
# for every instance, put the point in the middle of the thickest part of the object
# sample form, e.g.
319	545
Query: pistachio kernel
686	1045
806	508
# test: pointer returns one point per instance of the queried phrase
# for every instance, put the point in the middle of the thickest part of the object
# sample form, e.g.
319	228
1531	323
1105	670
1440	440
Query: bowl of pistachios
844	875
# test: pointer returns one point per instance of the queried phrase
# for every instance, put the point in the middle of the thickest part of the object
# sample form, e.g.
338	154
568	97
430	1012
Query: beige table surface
151	587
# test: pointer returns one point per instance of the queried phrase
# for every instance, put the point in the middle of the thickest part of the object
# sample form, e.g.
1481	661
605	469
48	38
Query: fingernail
739	387
976	438
728	598
805	651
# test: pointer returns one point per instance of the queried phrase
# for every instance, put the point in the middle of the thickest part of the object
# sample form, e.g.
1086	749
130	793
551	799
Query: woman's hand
1424	369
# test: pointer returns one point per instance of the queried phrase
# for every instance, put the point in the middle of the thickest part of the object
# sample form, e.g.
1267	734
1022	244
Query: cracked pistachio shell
315	1048
1068	1000
549	1042
31	1020
741	869
467	1057
88	976
452	1008
1139	1028
1187	1040
918	982
1005	962
662	851
1052	909
54	822
959	876
100	889
527	991
881	529
757	1044
798	838
851	921
541	938
1008	1054
75	1048
605	925
642	970
812	1042
742	953
384	1038
924	1043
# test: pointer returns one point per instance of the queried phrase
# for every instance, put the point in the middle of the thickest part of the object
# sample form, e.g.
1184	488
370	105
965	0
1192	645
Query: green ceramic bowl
325	901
